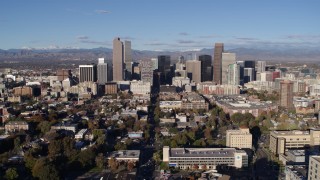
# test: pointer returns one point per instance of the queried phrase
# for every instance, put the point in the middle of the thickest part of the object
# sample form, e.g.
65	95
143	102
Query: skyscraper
251	64
164	69
146	71
102	69
227	59
286	94
117	60
128	59
206	67
217	62
193	68
248	75
261	66
88	73
233	77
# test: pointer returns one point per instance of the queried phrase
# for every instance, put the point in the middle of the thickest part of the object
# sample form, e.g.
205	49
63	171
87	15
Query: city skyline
159	25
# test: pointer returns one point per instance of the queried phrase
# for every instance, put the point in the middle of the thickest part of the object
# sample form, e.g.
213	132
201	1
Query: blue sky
159	24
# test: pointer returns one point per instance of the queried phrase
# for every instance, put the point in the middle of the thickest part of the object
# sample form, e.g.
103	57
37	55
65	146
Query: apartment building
239	138
204	158
281	141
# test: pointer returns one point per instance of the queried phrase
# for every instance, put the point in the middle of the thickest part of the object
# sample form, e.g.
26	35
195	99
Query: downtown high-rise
206	67
217	62
117	60
102	70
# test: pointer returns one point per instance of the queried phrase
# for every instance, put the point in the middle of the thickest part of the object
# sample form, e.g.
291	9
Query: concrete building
314	168
88	73
240	138
102	71
63	74
13	126
117	60
81	134
23	91
217	63
227	59
212	88
296	172
239	104
194	101
140	87
286	94
193	68
233	74
111	88
125	155
281	141
261	66
206	67
265	76
204	158
146	71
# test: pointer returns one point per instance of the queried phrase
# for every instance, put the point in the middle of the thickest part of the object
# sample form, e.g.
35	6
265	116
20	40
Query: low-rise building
65	126
204	158
194	101
125	155
12	126
240	104
296	172
281	141
140	87
240	138
81	134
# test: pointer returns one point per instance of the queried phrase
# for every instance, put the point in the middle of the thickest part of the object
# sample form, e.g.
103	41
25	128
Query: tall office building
117	60
227	59
233	74
251	64
241	64
88	73
102	69
248	75
164	69
193	68
286	94
180	68
127	55
261	66
217	62
206	67
146	71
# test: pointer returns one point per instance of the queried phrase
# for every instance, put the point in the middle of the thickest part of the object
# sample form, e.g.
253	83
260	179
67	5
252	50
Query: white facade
204	158
227	59
140	87
233	75
240	138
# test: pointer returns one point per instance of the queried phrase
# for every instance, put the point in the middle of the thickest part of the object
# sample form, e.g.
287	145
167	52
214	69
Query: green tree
11	174
44	170
86	158
120	146
55	148
44	126
100	161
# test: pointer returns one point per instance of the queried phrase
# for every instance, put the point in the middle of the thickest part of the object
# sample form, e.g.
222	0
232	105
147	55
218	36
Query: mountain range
303	54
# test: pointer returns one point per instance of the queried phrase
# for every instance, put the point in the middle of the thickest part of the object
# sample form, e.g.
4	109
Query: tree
100	160
120	146
11	173
208	133
55	148
86	158
17	143
44	169
130	165
113	164
44	126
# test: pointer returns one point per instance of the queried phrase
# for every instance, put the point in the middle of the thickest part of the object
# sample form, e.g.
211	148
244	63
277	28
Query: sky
160	24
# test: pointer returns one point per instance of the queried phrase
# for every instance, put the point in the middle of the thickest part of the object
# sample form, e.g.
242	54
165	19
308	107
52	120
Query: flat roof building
204	158
281	141
240	138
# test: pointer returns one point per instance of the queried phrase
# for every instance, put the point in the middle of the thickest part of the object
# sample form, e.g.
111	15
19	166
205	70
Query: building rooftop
297	152
299	170
126	154
202	152
294	132
317	158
